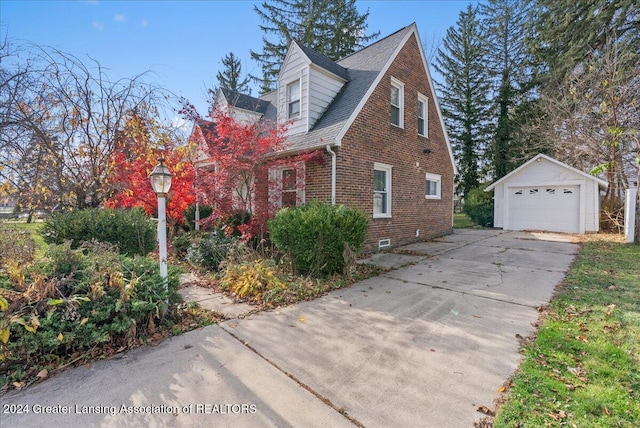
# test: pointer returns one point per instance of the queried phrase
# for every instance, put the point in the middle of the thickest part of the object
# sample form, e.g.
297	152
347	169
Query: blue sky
182	42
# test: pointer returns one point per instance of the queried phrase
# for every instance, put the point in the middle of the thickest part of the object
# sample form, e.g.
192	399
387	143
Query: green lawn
33	229
461	220
583	368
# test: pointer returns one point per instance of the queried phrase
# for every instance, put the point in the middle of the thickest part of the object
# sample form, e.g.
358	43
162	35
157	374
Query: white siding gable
238	114
295	67
318	88
323	88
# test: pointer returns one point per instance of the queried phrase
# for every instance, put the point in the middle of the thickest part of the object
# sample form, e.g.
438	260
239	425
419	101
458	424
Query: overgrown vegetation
319	238
76	304
479	206
583	368
130	229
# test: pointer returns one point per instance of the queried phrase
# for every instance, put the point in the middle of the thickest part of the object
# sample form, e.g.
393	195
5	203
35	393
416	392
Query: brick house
375	118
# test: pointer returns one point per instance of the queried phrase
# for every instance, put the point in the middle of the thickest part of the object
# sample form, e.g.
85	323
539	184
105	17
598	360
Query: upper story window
422	115
293	99
397	103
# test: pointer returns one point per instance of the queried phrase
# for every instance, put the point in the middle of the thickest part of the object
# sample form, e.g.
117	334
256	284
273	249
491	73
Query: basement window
384	243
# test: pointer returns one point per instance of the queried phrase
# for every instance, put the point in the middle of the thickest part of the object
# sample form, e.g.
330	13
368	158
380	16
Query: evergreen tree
333	28
504	27
464	95
231	76
569	30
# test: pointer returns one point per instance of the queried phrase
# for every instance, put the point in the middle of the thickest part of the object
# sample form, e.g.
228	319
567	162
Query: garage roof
602	185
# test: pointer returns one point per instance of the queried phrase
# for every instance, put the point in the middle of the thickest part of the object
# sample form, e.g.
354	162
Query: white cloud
98	25
118	17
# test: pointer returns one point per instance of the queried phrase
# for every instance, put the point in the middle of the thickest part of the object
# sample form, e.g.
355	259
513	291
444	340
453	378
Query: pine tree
333	28
569	30
504	27
231	76
345	30
464	95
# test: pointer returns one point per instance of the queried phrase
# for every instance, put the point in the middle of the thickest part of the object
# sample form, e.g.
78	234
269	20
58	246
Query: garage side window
434	186
381	190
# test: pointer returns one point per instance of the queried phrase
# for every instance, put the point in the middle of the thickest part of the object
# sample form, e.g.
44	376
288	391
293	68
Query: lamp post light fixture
160	179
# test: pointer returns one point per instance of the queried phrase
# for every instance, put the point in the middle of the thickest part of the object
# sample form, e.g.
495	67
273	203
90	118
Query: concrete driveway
421	346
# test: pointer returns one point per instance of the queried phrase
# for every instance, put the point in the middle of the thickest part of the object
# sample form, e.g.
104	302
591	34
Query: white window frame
275	184
395	83
387	169
295	189
291	101
425	114
438	180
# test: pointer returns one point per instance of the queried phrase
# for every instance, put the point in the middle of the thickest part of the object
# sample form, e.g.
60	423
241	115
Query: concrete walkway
420	346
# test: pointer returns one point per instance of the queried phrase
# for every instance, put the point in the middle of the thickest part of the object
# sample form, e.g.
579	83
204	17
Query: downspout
333	174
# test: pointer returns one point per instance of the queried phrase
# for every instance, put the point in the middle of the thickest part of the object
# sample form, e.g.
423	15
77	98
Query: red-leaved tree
238	156
136	157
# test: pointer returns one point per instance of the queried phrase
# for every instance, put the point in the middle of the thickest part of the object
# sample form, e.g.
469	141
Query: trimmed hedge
130	229
314	236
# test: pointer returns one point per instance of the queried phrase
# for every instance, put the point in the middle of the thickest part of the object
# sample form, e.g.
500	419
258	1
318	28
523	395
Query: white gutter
333	174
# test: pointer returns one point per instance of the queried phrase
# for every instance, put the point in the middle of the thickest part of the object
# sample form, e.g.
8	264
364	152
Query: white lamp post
160	179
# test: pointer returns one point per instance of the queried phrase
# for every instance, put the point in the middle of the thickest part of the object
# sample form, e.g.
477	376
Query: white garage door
552	208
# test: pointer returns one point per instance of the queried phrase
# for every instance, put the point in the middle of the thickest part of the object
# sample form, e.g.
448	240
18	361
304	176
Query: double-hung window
422	115
434	186
289	188
397	103
293	99
381	190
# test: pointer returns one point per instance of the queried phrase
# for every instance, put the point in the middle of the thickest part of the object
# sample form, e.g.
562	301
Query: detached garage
546	194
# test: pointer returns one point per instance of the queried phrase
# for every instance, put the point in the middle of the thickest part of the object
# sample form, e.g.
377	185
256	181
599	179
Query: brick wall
372	138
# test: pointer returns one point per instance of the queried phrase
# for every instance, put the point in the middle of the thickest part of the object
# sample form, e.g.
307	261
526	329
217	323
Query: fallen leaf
485	410
582	338
501	389
4	335
301	319
43	374
84	321
60	337
18	385
610	309
558	415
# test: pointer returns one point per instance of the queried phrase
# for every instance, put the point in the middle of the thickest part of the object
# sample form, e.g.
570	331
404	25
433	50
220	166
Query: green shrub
478	205
205	249
131	230
209	250
190	215
314	236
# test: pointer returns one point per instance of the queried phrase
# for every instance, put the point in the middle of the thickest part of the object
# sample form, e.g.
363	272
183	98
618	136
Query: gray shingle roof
245	102
363	67
323	62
